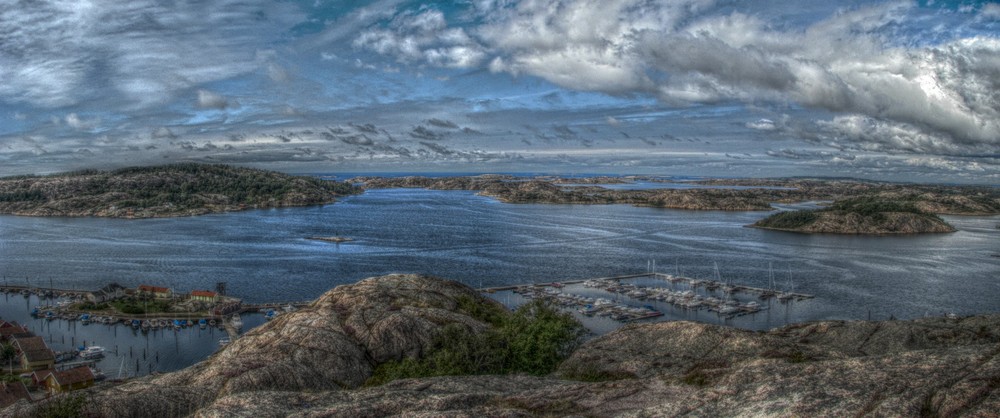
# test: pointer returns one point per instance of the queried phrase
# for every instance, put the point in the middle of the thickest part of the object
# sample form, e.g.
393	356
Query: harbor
602	302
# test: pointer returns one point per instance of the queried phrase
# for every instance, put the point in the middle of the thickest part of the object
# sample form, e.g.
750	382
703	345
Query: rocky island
330	359
162	191
721	194
870	216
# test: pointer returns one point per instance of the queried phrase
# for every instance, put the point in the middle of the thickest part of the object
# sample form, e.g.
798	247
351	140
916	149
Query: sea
268	256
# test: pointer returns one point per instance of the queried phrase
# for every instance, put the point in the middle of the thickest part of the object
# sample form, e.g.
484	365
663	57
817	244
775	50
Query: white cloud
943	97
209	100
76	122
62	52
423	37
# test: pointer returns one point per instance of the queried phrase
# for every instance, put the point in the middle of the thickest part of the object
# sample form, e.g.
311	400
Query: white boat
237	322
224	342
94	351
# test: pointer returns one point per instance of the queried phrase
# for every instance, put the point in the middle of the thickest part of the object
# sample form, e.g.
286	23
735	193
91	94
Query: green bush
789	220
534	339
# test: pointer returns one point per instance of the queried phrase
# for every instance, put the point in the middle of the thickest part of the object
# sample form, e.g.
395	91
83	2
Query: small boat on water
189	323
224	342
270	315
237	322
92	352
202	323
136	323
211	322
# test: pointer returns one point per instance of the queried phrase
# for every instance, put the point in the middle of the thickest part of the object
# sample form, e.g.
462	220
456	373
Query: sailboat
769	292
727	287
786	296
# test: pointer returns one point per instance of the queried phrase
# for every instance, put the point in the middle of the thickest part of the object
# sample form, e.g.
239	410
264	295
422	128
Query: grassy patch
789	220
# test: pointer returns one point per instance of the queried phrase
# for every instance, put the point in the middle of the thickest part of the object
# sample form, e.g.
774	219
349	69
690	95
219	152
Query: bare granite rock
312	363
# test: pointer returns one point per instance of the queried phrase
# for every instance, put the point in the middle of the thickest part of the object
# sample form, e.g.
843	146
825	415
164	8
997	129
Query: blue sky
894	90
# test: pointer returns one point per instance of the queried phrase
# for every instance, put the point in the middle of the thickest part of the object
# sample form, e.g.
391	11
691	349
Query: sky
898	91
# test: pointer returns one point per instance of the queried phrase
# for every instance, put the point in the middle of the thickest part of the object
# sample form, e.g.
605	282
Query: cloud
423	37
762	125
867	61
138	53
209	100
76	122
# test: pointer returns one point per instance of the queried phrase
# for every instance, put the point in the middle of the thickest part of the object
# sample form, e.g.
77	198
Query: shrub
534	339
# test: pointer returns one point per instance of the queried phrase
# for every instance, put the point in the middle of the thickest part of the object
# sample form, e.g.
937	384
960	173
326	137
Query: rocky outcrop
951	199
312	362
162	191
853	223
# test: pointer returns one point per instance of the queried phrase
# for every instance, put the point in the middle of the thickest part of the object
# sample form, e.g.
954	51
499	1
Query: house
57	381
204	296
155	291
11	330
34	353
107	293
11	392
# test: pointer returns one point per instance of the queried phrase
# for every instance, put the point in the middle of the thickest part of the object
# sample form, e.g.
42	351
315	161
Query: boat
136	323
237	322
145	324
289	308
190	323
202	323
92	352
211	323
270	315
224	342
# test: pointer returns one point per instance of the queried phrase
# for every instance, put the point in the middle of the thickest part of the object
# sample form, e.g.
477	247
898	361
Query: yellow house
66	380
34	353
204	296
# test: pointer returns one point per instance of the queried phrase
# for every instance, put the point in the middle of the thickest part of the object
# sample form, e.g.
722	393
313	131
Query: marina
715	296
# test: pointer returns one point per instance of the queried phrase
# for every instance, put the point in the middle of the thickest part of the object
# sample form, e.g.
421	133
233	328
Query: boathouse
34	353
204	296
107	293
155	291
11	392
57	381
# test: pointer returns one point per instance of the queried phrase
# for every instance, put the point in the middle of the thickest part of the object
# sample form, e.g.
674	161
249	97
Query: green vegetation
534	340
7	353
139	307
789	220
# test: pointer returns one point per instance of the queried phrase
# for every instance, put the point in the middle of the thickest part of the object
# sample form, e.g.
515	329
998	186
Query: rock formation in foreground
313	363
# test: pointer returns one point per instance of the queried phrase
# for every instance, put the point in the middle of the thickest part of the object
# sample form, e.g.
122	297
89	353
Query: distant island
859	216
163	191
747	195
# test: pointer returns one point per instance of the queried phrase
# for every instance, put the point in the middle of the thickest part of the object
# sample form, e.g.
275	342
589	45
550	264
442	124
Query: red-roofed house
11	392
35	354
204	296
155	291
65	380
10	330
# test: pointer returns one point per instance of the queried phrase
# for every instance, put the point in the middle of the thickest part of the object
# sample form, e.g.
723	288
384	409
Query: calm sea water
265	256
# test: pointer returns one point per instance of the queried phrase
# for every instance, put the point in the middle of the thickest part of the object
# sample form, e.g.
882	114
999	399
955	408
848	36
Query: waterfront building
58	381
11	330
34	353
204	296
155	291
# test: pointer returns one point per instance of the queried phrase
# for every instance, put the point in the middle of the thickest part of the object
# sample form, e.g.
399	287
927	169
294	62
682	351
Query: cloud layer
942	98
